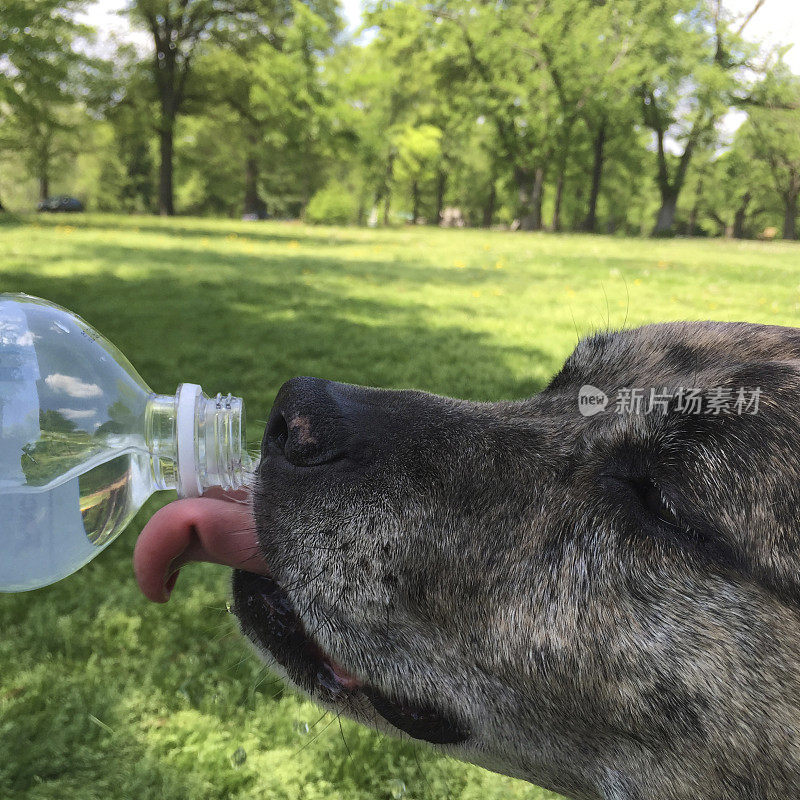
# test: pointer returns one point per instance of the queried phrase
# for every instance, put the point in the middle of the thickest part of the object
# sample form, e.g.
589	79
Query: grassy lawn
103	695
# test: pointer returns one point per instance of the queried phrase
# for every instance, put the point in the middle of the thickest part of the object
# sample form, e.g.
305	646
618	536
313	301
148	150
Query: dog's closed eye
646	504
646	498
652	498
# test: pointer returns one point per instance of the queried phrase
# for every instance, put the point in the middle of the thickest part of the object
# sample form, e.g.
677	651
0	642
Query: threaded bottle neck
196	442
220	442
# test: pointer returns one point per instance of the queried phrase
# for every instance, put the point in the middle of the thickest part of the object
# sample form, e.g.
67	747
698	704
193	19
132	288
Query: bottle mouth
210	435
221	437
197	442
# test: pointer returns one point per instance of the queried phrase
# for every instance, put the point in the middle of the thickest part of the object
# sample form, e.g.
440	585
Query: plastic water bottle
84	442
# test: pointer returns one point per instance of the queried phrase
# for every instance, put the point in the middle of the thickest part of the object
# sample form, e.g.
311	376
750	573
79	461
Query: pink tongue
201	529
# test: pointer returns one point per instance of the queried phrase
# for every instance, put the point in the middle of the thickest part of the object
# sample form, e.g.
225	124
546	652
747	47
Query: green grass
103	695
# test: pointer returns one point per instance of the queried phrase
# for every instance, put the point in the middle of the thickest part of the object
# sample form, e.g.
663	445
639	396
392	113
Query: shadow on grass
398	256
195	228
249	324
210	268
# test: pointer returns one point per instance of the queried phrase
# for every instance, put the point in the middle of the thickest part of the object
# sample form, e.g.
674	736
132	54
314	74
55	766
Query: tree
44	131
419	150
511	88
120	94
40	80
412	90
697	55
737	192
275	88
180	29
773	133
592	77
177	28
545	74
388	86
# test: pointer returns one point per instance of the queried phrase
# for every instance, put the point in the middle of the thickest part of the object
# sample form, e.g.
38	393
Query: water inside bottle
53	529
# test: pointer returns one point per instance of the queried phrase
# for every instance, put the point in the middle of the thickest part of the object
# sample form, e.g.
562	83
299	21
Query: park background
347	138
632	116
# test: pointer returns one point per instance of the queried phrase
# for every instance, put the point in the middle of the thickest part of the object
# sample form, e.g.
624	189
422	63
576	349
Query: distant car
61	203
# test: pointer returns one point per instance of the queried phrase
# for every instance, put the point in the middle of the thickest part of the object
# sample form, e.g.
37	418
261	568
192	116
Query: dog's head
606	604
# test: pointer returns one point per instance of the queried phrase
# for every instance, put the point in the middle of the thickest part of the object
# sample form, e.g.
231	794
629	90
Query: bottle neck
195	442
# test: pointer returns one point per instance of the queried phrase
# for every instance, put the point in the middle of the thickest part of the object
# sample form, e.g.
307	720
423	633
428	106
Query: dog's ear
747	470
710	343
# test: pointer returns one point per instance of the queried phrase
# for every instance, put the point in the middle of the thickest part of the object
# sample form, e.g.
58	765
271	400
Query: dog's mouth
269	618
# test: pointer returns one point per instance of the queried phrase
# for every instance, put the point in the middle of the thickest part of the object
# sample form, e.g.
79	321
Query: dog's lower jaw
490	738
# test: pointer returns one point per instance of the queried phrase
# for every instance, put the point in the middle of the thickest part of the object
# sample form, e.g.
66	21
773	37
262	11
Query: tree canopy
532	114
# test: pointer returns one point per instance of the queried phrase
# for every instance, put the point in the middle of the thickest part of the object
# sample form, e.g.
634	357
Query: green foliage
36	38
127	101
41	75
419	151
208	167
333	205
772	134
268	109
564	114
244	31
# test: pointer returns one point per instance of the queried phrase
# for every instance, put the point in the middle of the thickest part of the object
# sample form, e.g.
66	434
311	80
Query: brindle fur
493	560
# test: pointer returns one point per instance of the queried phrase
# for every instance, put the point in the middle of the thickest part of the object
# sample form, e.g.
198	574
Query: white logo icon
591	400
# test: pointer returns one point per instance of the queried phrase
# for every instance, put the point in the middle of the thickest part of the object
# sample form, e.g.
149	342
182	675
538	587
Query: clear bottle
84	442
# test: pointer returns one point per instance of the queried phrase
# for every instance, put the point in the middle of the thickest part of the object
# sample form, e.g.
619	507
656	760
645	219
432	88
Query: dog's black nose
309	422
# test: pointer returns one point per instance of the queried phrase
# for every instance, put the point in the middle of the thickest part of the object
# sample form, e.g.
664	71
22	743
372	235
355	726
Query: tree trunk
385	193
441	186
252	202
387	203
739	218
531	195
166	206
590	223
414	202
44	186
670	188
666	214
488	208
557	202
577	225
695	212
537	198
790	215
566	146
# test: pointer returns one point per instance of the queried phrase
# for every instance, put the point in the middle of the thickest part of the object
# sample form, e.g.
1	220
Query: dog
606	604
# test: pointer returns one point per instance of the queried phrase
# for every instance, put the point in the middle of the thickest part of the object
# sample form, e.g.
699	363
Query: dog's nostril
277	433
312	422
